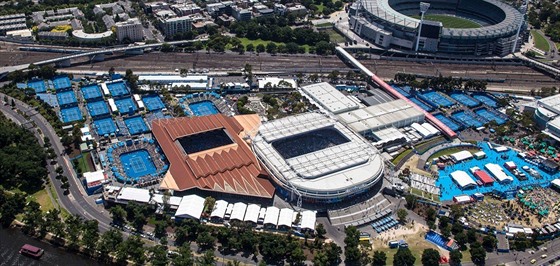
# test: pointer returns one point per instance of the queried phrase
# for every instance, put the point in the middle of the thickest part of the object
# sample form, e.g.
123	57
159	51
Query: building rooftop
329	98
551	103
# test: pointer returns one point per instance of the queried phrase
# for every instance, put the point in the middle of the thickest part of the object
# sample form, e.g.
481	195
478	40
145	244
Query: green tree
430	257
205	241
403	257
136	249
118	214
184	258
455	257
489	242
271	48
320	230
74	230
159	229
32	216
351	250
250	47
90	235
207	259
411	201
261	48
478	254
158	255
379	258
402	214
296	256
109	242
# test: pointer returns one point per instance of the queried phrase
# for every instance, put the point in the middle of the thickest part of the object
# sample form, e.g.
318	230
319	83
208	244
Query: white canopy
308	219
252	213
463	179
238	212
174	201
497	171
219	209
461	156
271	216
462	198
191	207
285	217
134	194
555	183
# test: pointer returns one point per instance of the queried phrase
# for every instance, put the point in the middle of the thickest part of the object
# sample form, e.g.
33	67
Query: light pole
523	11
423	8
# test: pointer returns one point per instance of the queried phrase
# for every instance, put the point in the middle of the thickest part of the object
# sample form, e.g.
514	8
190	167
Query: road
77	202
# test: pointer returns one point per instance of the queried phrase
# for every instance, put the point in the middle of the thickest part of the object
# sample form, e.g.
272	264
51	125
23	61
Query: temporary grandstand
315	158
329	98
396	113
208	153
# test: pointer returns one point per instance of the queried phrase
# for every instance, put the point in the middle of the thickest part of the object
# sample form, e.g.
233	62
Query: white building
131	29
191	207
463	180
498	172
173	26
329	98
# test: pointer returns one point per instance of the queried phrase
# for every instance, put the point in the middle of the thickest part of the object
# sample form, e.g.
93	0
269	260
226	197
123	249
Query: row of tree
446	84
264	30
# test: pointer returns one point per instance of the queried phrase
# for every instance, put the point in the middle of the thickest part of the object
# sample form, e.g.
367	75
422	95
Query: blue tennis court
486	100
126	105
71	114
437	99
105	126
61	83
37	85
448	122
448	188
98	108
117	89
489	116
465	99
66	98
136	125
137	164
405	91
468	120
153	102
422	105
203	108
48	98
91	92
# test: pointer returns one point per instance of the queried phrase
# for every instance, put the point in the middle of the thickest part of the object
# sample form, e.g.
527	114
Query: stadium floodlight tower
523	10
423	8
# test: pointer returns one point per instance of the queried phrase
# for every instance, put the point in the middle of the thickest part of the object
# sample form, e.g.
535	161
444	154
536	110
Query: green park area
451	21
245	41
540	41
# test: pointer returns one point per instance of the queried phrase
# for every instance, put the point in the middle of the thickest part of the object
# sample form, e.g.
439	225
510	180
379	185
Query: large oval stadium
466	27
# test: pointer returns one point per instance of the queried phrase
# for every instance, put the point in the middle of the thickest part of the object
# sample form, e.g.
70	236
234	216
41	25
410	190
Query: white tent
252	213
191	207
308	219
173	202
462	198
434	131
285	218
463	179
461	156
555	183
238	212
498	173
219	209
134	194
271	216
423	131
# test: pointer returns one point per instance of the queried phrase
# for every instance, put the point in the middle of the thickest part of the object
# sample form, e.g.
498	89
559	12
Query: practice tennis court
437	99
405	91
126	105
37	85
468	120
91	92
489	116
153	102
48	98
136	125
71	114
137	164
98	108
66	98
422	105
117	89
61	83
105	126
448	122
203	108
465	99
486	100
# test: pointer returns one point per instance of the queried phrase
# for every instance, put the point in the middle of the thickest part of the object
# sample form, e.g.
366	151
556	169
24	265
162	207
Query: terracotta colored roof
232	168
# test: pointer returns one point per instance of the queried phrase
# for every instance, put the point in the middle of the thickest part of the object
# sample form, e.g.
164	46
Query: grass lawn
335	37
401	156
256	42
322	25
42	197
450	151
83	162
540	41
558	46
451	21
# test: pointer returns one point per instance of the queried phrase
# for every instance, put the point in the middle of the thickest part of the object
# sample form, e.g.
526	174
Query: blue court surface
91	92
422	105
486	100
61	83
489	116
465	99
105	126
136	125
66	98
117	89
448	188
437	99
71	114
126	105
203	108
137	164
405	91
37	85
153	102
467	119
98	108
448	122
48	98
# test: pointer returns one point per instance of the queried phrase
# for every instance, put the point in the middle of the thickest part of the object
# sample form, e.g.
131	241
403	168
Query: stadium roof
463	179
551	103
232	168
395	113
325	173
191	207
329	98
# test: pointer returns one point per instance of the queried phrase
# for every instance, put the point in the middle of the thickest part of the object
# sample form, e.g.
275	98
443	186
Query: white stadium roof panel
329	97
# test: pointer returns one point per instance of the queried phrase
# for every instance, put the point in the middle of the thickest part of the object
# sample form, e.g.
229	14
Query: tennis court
448	188
37	85
117	89
489	116
422	105
468	120
61	83
137	164
203	108
153	102
405	91
71	114
126	105
448	122
136	125
98	108
66	98
465	99
91	92
48	98
105	126
486	100
437	99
